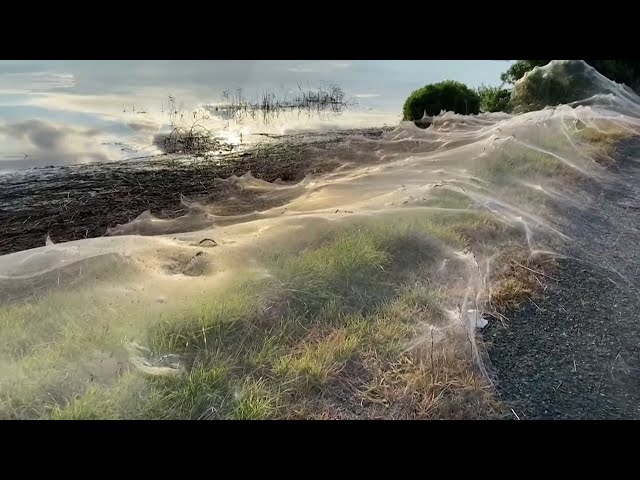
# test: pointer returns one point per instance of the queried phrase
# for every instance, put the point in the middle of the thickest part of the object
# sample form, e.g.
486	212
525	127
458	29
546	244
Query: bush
518	69
449	95
557	83
494	99
620	71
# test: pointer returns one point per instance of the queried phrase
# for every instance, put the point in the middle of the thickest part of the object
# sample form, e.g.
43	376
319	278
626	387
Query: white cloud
367	95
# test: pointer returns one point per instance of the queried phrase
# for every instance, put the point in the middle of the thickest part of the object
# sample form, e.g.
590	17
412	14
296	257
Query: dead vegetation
432	381
197	139
520	278
83	201
601	140
325	98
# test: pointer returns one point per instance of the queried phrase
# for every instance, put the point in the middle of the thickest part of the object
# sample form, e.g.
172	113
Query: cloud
367	95
35	82
46	143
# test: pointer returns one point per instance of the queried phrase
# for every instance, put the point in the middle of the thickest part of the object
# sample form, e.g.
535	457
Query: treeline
569	81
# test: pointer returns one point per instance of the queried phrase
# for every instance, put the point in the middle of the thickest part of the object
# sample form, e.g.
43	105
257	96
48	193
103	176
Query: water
70	112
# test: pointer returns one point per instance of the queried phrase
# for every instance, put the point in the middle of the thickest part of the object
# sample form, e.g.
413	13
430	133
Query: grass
42	342
62	345
509	163
187	397
518	279
524	163
359	322
601	140
331	333
92	405
600	134
314	361
521	176
447	198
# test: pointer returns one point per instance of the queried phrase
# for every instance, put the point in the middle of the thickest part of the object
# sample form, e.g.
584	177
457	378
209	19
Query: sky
76	111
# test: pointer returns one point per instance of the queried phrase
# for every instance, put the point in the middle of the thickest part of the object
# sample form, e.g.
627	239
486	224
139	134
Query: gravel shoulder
576	353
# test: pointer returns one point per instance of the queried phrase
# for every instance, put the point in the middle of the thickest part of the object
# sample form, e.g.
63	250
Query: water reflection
69	112
209	129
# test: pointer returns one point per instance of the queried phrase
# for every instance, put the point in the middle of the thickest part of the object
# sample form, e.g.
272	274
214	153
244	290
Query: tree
449	95
518	69
494	99
620	71
557	83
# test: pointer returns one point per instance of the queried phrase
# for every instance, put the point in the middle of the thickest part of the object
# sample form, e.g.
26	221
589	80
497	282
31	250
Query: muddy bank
72	203
575	354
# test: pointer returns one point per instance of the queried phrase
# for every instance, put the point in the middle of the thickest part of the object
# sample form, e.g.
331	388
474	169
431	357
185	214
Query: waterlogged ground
357	287
83	201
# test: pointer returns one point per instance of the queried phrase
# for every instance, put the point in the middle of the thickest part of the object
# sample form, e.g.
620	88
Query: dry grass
601	140
519	278
431	382
373	375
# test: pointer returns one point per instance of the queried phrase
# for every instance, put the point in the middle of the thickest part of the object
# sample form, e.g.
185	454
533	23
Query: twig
432	363
531	300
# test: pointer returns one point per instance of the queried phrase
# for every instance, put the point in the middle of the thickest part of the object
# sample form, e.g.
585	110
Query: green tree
620	71
559	83
494	99
518	69
449	95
